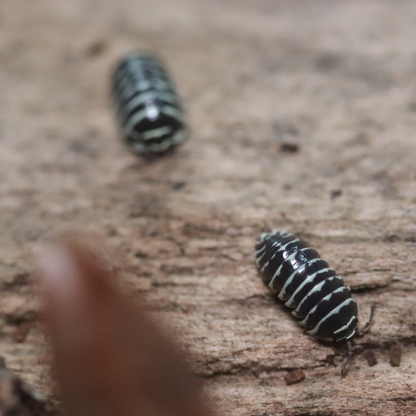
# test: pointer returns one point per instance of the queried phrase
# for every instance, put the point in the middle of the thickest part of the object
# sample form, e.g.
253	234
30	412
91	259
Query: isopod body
148	108
308	285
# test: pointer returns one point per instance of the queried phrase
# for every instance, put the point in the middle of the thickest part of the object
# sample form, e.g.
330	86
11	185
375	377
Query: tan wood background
336	79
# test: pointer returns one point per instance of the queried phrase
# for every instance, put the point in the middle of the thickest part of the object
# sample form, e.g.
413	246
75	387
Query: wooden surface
337	80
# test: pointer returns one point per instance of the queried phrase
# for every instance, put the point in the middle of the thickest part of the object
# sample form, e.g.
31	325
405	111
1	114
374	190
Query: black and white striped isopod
148	107
308	285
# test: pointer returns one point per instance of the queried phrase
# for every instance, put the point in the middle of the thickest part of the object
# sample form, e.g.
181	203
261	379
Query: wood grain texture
336	80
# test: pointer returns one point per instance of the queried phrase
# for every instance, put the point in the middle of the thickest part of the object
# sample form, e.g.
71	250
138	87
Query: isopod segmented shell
149	110
308	285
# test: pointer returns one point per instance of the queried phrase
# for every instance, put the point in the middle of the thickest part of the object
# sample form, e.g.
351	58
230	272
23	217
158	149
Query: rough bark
302	118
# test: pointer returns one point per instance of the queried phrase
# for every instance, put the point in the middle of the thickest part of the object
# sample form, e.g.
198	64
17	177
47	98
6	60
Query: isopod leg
348	359
361	331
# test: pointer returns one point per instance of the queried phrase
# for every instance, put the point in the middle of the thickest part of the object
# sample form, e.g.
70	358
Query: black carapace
308	285
149	110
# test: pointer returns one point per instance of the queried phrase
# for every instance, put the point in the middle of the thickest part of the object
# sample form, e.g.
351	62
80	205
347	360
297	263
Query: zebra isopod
310	287
148	108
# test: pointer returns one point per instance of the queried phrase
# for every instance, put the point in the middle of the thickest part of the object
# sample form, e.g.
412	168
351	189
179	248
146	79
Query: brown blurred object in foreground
110	358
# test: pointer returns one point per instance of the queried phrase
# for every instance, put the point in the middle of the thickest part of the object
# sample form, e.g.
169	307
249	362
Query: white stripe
140	99
290	242
274	232
264	266
140	147
326	298
180	136
160	147
125	92
281	266
153	112
263	238
266	236
309	279
126	75
281	248
161	84
352	333
135	119
155	133
136	68
149	96
173	112
258	259
333	312
282	294
135	135
257	252
345	327
274	244
138	64
312	291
